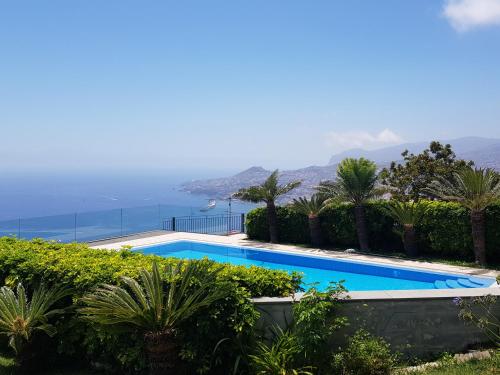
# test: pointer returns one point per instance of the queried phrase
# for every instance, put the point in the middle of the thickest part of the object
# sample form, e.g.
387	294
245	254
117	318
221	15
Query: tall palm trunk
361	229
409	240
272	219
315	230
162	353
478	224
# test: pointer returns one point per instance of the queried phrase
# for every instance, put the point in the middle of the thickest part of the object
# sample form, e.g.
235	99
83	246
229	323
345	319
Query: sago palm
407	214
156	306
475	189
21	316
268	192
312	208
355	183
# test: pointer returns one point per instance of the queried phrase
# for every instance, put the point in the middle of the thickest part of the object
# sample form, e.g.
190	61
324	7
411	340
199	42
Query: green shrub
304	347
293	227
316	320
365	355
82	269
444	230
279	357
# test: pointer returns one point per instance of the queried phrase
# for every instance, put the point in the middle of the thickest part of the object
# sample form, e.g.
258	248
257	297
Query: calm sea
90	205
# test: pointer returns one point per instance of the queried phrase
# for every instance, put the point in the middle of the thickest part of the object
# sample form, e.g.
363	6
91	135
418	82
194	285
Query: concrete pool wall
418	323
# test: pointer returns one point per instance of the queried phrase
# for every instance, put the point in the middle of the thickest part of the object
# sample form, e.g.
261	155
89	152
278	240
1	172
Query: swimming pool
357	276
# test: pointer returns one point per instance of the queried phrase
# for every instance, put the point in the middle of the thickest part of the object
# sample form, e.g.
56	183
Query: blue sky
229	84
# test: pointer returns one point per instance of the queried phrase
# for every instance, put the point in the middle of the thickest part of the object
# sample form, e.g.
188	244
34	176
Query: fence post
159	217
242	223
173	224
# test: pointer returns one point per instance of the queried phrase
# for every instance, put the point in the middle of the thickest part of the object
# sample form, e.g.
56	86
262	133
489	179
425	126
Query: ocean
83	206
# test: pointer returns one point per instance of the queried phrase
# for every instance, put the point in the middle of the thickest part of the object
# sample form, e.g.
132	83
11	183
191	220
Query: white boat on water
211	205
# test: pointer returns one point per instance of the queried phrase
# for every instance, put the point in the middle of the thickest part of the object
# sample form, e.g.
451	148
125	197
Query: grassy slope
7	368
484	367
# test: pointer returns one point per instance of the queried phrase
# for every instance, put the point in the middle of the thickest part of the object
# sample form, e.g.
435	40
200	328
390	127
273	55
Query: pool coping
391	295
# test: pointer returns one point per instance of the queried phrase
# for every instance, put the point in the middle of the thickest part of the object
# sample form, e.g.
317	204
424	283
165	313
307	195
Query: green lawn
484	367
474	367
7	368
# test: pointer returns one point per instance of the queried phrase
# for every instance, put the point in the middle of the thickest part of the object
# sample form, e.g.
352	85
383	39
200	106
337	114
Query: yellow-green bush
82	269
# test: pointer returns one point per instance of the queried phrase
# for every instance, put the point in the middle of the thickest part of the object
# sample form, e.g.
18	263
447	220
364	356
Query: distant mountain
485	152
223	187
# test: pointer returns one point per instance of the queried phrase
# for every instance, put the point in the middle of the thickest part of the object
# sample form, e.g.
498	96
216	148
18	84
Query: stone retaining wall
417	323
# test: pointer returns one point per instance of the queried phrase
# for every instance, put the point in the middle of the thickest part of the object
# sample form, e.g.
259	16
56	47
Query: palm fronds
309	207
356	182
154	304
268	191
474	188
20	317
405	213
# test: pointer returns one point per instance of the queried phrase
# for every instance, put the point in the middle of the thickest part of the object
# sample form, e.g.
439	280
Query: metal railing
212	224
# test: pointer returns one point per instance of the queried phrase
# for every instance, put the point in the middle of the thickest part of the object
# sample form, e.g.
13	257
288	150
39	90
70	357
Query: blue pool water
357	276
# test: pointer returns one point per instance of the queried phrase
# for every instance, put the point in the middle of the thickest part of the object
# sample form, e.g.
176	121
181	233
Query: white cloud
362	139
464	15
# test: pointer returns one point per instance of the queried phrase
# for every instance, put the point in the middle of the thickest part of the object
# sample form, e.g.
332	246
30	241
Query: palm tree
156	307
355	183
21	317
312	208
475	189
407	214
268	192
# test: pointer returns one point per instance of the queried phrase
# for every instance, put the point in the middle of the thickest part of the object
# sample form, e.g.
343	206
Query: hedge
82	269
443	232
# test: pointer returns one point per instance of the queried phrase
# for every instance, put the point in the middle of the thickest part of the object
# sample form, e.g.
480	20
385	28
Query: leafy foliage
267	192
409	180
475	189
20	317
81	269
311	207
315	322
156	305
405	213
355	183
444	230
293	226
480	311
365	355
279	357
304	348
450	366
